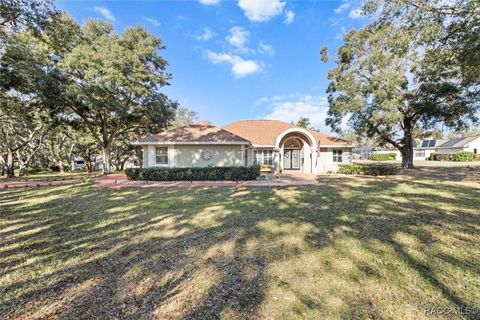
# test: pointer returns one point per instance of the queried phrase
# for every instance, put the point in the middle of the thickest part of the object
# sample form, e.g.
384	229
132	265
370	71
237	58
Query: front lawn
352	247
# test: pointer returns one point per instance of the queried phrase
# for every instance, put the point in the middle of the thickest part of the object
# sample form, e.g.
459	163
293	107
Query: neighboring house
362	153
284	146
78	163
424	148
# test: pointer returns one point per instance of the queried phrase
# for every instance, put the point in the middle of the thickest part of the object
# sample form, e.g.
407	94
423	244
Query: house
362	153
285	147
78	163
424	148
427	147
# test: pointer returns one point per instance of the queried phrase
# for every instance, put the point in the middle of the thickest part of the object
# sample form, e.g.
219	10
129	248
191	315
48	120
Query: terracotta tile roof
197	132
265	132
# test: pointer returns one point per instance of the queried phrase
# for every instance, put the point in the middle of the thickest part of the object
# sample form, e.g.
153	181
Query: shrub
193	174
369	169
441	156
463	156
384	156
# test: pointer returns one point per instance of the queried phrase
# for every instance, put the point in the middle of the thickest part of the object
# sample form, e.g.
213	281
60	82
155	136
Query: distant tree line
67	89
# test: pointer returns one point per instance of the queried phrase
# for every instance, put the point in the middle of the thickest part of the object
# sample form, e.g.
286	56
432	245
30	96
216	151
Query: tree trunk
60	166
106	159
23	170
88	166
407	152
122	165
10	164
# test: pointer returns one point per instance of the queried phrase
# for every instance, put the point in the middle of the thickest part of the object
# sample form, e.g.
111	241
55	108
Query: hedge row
463	156
194	174
368	169
384	156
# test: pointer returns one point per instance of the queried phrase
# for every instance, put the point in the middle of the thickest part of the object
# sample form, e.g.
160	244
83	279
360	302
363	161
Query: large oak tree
393	77
112	83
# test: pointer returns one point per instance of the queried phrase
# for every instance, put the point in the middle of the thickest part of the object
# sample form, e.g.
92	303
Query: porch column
276	160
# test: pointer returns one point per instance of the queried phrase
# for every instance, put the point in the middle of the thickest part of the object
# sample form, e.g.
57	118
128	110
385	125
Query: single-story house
362	152
283	146
424	148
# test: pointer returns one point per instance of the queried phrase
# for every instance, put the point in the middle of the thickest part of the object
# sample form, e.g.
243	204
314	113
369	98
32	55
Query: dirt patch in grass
351	247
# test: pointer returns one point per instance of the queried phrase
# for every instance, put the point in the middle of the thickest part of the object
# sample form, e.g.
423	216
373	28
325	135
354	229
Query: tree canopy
394	77
111	84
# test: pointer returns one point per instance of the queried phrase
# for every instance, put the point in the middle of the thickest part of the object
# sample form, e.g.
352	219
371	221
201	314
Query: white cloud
238	38
261	10
355	13
341	33
291	107
342	8
153	21
209	2
240	67
266	48
105	12
289	17
206	35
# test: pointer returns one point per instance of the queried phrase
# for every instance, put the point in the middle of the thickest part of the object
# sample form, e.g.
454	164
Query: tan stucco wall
191	156
325	160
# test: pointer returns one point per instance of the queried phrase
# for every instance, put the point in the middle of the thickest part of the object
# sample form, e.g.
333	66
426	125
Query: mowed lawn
352	247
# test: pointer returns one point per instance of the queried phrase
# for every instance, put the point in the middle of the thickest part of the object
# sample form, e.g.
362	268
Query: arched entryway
296	151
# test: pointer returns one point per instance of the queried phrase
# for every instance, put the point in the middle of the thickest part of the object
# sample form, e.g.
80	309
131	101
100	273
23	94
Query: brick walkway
117	181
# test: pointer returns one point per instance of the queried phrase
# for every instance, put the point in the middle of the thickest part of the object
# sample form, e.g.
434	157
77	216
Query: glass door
295	159
287	162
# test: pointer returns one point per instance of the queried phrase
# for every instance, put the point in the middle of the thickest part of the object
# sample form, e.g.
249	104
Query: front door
291	160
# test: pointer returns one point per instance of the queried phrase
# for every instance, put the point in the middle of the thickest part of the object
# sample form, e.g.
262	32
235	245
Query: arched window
292	143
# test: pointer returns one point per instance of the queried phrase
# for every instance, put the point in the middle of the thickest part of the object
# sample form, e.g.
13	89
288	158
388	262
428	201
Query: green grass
352	247
49	175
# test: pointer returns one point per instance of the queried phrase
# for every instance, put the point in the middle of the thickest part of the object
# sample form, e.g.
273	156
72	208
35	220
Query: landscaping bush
441	156
463	156
370	170
384	156
193	174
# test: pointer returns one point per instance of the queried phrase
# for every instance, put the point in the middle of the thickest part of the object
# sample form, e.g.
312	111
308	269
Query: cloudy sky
239	59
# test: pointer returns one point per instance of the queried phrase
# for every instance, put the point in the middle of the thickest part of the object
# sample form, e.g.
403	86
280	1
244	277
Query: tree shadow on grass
202	253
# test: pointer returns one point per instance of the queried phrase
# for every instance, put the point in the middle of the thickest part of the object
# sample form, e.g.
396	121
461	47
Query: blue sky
242	59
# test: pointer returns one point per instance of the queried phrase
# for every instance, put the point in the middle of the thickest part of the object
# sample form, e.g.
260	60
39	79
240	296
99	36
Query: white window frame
265	157
162	155
419	153
337	154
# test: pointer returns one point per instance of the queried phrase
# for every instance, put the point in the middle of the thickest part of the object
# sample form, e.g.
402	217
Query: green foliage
384	156
111	84
441	156
183	117
464	156
370	170
451	27
194	174
390	80
324	54
304	122
29	14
